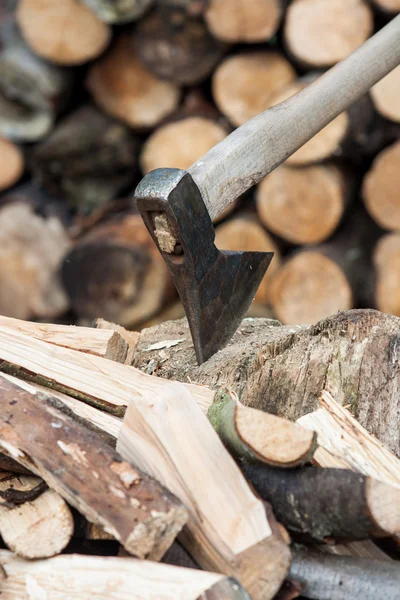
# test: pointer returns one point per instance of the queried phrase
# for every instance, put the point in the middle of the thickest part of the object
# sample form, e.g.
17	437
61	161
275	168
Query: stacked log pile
96	93
115	482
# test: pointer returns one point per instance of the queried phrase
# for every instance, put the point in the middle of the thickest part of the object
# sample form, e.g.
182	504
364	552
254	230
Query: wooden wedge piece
88	577
254	435
229	529
75	462
100	342
130	337
36	522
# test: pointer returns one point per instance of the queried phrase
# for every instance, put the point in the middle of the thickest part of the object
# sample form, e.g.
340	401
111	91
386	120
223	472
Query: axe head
216	287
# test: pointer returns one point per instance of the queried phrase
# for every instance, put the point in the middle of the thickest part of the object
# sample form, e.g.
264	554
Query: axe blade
216	287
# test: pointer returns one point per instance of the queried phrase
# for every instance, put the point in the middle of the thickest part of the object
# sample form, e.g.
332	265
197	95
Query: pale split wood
100	342
104	383
130	337
37	528
86	577
87	472
228	530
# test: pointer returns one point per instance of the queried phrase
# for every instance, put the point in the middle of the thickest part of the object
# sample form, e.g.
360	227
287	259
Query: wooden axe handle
260	145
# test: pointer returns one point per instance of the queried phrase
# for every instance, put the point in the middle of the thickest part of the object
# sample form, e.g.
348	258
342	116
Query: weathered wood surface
283	369
87	472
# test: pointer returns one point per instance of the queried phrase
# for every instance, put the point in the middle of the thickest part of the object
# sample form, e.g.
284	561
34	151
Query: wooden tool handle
263	143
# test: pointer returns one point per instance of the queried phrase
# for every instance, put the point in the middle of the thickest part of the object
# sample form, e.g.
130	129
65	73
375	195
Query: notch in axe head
217	287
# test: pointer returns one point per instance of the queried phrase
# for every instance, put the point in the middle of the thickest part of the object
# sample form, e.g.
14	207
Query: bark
385	95
243	84
379	188
386	261
31	251
326	577
303	205
11	164
325	504
34	523
118	11
180	144
73	461
246	21
243	232
283	369
87	36
177	47
253	552
116	271
318	34
88	577
320	280
122	87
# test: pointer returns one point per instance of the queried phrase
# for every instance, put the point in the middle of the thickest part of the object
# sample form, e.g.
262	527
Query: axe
178	207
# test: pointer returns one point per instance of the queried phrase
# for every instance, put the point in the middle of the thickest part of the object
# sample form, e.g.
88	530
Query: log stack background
96	93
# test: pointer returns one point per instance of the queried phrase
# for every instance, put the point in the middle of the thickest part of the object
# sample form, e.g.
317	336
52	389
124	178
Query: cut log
118	11
36	527
181	143
325	577
303	205
283	369
328	503
31	250
177	47
72	372
229	530
87	160
244	232
117	272
243	84
387	6
11	164
318	281
66	34
244	21
320	34
101	342
380	187
257	436
87	577
386	259
386	95
139	512
130	337
126	90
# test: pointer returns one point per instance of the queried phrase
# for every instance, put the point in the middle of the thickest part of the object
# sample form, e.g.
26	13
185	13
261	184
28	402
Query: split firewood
87	472
87	577
328	503
118	11
44	24
229	530
245	21
243	84
35	522
320	34
101	342
386	95
325	577
283	369
130	337
181	143
11	164
316	282
116	271
380	188
386	259
177	47
257	436
87	160
31	250
303	205
126	90
244	232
